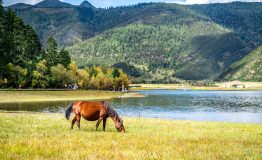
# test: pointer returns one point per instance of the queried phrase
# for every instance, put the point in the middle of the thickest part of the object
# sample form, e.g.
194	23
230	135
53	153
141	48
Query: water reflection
35	106
226	101
234	106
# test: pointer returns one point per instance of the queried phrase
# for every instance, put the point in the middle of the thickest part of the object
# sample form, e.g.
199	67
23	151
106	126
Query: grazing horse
93	111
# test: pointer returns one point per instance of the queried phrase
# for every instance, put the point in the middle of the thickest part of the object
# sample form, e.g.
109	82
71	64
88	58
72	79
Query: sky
109	3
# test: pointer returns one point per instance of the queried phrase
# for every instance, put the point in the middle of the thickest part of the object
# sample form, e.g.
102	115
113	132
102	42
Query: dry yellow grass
47	136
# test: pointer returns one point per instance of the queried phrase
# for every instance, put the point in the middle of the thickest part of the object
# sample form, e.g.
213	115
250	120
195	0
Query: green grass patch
47	136
39	96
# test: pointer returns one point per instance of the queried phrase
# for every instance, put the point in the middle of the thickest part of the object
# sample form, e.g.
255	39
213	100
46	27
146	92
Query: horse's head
119	125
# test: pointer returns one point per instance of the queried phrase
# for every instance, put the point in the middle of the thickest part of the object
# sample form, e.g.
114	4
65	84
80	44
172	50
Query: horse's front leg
104	124
98	122
78	117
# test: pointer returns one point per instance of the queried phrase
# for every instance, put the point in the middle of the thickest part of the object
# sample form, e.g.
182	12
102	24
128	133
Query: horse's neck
112	114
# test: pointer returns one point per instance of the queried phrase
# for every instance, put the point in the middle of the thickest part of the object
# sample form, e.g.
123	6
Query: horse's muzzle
123	129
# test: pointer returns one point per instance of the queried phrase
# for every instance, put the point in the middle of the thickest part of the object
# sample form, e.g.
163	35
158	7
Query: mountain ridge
87	4
157	40
53	4
20	6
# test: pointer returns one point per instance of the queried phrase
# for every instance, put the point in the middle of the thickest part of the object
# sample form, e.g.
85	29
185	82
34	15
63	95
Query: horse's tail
69	110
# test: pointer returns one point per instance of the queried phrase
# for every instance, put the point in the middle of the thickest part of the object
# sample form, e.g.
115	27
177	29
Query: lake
226	106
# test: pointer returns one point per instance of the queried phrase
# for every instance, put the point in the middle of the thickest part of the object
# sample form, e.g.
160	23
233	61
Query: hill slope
244	19
247	69
176	43
161	42
85	21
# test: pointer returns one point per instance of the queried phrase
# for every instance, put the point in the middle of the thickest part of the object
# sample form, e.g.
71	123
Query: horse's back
90	110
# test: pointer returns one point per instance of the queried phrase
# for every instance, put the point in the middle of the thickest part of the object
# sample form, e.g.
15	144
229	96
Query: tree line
24	64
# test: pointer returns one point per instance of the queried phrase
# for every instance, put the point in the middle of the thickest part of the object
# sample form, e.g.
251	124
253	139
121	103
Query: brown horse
93	111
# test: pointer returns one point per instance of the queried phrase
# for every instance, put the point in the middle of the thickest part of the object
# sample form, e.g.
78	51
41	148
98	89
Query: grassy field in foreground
31	96
47	136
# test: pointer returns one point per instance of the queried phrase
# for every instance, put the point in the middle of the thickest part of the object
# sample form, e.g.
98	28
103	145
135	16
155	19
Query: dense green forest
244	19
247	69
24	64
152	42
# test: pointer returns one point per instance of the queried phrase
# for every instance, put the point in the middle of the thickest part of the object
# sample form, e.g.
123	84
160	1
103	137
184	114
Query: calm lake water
228	106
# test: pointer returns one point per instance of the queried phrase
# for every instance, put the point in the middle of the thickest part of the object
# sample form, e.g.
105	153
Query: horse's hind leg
104	124
78	117
73	122
98	122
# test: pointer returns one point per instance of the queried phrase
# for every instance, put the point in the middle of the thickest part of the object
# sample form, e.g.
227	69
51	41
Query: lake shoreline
136	117
214	106
24	96
221	86
36	134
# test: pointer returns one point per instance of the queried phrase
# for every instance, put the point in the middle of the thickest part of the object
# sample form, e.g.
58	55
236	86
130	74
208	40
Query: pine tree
32	44
51	54
116	73
2	40
1	22
64	58
22	43
13	38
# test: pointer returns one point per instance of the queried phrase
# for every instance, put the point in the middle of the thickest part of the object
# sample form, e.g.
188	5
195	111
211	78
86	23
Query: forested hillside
153	42
19	45
247	69
244	19
25	65
178	43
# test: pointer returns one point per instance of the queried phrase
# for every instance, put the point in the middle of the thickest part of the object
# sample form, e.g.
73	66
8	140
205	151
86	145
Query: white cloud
204	1
216	1
10	2
107	3
34	1
31	1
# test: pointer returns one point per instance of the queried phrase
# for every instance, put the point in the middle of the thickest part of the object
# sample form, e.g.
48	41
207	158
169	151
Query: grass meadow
47	136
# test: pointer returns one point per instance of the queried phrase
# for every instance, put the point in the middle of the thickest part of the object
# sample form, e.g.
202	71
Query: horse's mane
111	111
